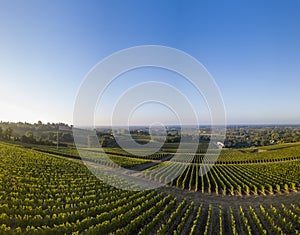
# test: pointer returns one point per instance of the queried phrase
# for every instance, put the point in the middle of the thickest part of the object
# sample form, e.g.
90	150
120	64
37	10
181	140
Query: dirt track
225	201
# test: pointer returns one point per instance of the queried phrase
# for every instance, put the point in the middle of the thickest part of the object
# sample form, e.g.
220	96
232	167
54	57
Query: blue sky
251	48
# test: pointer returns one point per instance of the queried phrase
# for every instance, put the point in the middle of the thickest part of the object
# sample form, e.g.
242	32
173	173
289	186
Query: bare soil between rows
227	200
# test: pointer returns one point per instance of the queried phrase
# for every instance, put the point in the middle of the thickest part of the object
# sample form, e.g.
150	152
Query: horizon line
169	124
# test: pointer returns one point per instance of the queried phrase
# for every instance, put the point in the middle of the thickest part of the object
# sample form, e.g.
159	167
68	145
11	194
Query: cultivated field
248	191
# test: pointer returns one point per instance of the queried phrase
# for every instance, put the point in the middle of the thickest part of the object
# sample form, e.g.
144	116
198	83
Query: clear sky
251	48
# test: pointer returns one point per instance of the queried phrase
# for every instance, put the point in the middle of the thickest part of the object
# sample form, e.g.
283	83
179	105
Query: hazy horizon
166	124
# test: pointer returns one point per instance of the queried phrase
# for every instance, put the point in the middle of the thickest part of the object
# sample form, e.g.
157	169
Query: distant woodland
236	136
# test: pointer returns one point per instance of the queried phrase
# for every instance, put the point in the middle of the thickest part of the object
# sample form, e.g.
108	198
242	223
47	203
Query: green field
54	193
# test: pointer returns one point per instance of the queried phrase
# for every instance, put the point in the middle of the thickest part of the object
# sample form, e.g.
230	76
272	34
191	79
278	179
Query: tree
8	132
1	132
104	141
66	137
28	138
29	134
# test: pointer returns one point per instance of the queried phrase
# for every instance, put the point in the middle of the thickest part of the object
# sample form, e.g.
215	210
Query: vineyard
43	193
274	170
235	179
